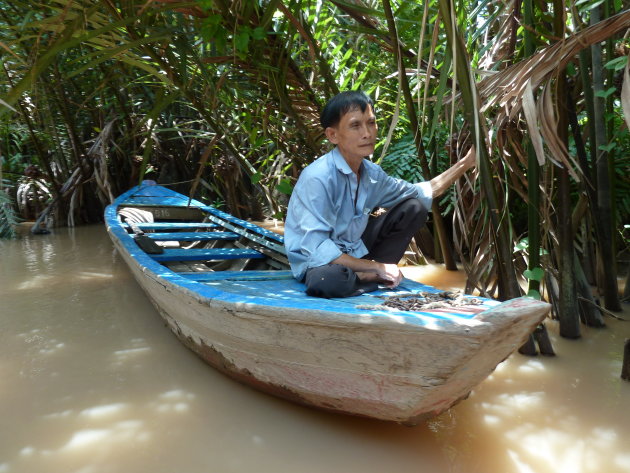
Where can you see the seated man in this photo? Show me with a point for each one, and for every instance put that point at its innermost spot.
(332, 242)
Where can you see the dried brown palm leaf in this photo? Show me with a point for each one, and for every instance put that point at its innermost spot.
(546, 108)
(506, 88)
(481, 270)
(531, 117)
(514, 158)
(471, 231)
(98, 153)
(542, 124)
(503, 42)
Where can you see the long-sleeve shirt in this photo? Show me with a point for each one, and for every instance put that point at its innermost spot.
(329, 209)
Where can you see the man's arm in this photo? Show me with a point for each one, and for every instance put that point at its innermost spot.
(389, 274)
(368, 270)
(441, 183)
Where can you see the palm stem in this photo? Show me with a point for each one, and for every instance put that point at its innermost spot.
(499, 221)
(438, 221)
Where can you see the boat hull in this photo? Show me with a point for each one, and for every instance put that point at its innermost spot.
(336, 355)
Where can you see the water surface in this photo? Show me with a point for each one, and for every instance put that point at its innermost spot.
(93, 382)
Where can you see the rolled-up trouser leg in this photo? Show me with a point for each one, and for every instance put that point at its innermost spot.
(335, 280)
(387, 236)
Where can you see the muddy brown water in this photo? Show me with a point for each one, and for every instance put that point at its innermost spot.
(92, 382)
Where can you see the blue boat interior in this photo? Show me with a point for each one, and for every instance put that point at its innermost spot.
(238, 257)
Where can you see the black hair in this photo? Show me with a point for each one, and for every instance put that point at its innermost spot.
(341, 104)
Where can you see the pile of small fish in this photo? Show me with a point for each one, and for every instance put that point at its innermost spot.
(429, 300)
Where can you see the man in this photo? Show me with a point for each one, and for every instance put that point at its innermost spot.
(332, 242)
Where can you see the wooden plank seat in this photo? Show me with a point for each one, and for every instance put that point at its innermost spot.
(193, 236)
(237, 275)
(206, 254)
(242, 223)
(173, 225)
(168, 198)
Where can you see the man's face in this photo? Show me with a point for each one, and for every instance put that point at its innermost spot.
(355, 134)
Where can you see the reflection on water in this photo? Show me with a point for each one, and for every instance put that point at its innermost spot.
(93, 382)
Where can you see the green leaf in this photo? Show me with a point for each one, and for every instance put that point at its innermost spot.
(256, 178)
(285, 187)
(596, 4)
(605, 93)
(617, 64)
(120, 51)
(241, 40)
(346, 56)
(534, 294)
(259, 33)
(522, 245)
(535, 274)
(206, 5)
(210, 27)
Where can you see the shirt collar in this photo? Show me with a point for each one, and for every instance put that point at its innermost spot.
(341, 163)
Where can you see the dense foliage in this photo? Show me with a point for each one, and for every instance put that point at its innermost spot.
(221, 99)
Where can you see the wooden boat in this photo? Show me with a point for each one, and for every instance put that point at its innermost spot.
(223, 287)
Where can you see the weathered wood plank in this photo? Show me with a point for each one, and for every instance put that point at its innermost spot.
(193, 236)
(241, 223)
(206, 254)
(173, 225)
(238, 275)
(271, 253)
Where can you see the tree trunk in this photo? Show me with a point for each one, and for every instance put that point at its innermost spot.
(544, 342)
(533, 176)
(529, 347)
(533, 193)
(553, 293)
(607, 273)
(589, 310)
(625, 368)
(568, 311)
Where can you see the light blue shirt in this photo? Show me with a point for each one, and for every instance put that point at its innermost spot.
(327, 216)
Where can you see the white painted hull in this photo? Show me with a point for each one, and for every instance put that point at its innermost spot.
(371, 366)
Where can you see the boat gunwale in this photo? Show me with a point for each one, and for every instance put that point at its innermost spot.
(310, 309)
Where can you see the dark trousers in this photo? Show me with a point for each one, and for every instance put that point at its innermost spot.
(386, 238)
